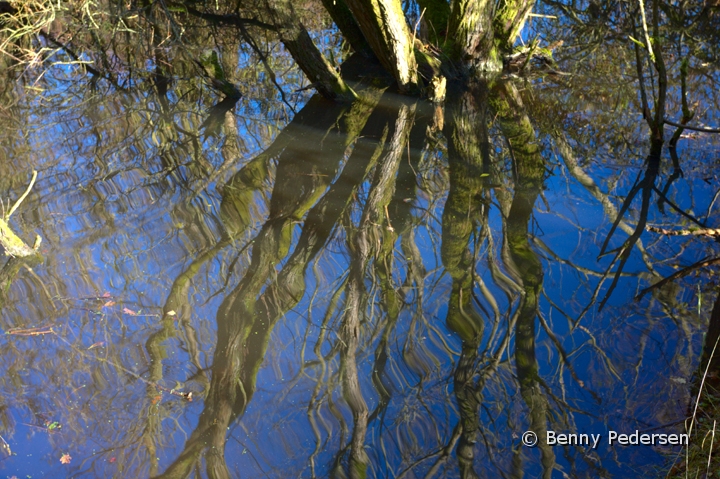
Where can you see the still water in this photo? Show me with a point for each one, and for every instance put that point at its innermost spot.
(389, 288)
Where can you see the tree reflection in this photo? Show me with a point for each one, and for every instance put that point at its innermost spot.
(394, 263)
(248, 314)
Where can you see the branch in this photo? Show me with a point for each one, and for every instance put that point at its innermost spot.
(648, 43)
(24, 195)
(687, 115)
(693, 128)
(677, 208)
(228, 19)
(696, 232)
(677, 275)
(263, 58)
(84, 64)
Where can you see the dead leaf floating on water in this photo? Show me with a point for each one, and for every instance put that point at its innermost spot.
(66, 458)
(129, 311)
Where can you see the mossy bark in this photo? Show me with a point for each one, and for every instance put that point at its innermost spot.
(364, 246)
(529, 168)
(470, 38)
(383, 25)
(468, 156)
(510, 17)
(465, 209)
(12, 243)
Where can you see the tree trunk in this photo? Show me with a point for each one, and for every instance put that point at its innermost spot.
(711, 349)
(298, 42)
(510, 17)
(529, 167)
(383, 24)
(471, 40)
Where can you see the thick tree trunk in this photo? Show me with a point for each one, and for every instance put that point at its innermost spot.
(383, 24)
(468, 158)
(711, 350)
(298, 42)
(480, 32)
(471, 40)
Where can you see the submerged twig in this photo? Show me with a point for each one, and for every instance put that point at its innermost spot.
(24, 195)
(32, 331)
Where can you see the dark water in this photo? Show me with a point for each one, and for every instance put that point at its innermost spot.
(382, 289)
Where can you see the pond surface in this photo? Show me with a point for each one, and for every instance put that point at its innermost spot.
(388, 288)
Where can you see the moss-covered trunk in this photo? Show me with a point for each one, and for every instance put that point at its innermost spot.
(382, 22)
(510, 17)
(471, 40)
(529, 168)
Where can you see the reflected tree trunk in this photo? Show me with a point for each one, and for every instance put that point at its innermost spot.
(364, 245)
(246, 317)
(399, 221)
(529, 168)
(465, 209)
(710, 359)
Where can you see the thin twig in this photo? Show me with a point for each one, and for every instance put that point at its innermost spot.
(702, 384)
(24, 195)
(31, 331)
(5, 446)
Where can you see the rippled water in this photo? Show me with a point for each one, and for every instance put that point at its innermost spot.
(380, 289)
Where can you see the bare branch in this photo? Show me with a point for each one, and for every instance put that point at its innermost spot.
(678, 274)
(693, 128)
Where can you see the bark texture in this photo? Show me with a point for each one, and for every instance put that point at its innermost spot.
(510, 17)
(383, 24)
(470, 35)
